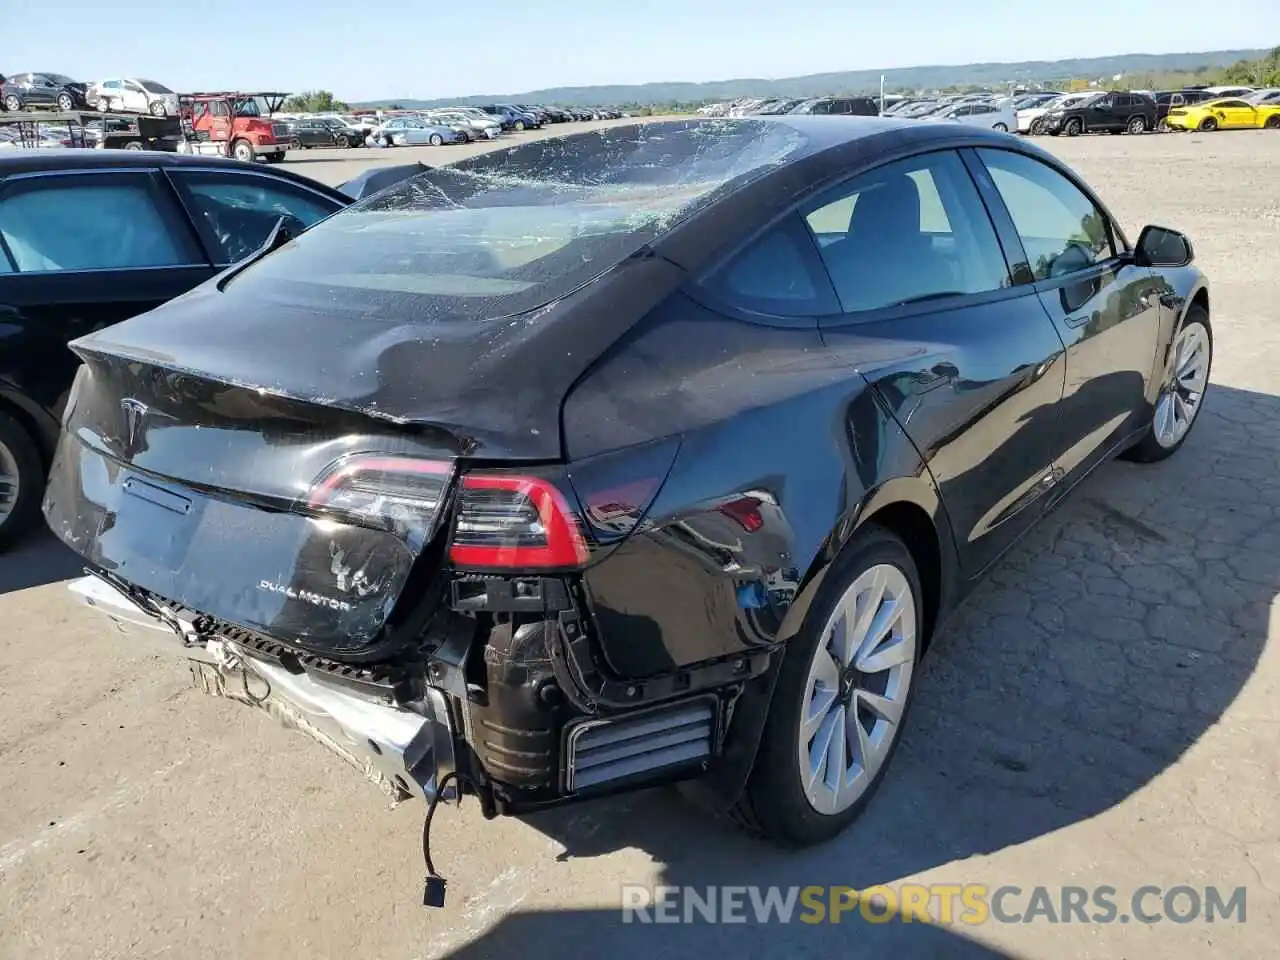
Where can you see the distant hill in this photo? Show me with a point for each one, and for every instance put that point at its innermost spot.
(858, 81)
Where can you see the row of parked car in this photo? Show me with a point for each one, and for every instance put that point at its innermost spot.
(1050, 111)
(434, 127)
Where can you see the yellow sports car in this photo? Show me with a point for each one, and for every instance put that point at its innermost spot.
(1232, 114)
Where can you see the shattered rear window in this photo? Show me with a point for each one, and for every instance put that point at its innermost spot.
(509, 231)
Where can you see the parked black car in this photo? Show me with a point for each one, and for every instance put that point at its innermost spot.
(681, 488)
(323, 132)
(1115, 112)
(44, 90)
(1167, 100)
(840, 106)
(90, 237)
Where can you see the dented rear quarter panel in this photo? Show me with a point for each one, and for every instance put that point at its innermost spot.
(762, 412)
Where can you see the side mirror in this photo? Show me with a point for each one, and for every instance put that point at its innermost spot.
(1162, 247)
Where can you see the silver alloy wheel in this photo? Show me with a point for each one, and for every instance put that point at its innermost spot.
(857, 689)
(10, 482)
(1183, 390)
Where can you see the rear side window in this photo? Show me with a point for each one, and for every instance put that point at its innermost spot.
(906, 232)
(1061, 229)
(235, 212)
(115, 221)
(777, 274)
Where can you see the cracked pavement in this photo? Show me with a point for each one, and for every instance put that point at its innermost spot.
(1105, 709)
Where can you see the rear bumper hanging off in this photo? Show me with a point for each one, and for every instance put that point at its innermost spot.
(404, 752)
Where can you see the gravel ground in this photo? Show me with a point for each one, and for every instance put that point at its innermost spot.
(1105, 710)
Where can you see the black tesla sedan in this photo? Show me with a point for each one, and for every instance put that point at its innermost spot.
(646, 454)
(90, 237)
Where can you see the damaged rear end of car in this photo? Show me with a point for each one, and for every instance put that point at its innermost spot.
(335, 480)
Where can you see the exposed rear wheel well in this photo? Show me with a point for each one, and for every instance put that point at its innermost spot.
(915, 528)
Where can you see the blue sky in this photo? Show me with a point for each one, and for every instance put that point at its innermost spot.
(399, 48)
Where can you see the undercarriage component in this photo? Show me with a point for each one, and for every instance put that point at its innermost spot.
(407, 752)
(589, 687)
(639, 745)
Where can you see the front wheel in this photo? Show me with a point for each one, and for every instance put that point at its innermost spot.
(1037, 128)
(1182, 392)
(842, 695)
(65, 102)
(1001, 128)
(157, 108)
(21, 480)
(1074, 128)
(242, 150)
(295, 144)
(1273, 123)
(519, 126)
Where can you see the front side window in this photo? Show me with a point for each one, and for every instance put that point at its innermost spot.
(1061, 229)
(93, 222)
(910, 231)
(235, 212)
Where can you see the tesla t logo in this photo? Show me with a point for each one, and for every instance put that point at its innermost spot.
(135, 412)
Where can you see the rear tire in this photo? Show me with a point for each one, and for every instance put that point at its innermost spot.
(295, 144)
(1158, 443)
(1000, 127)
(1137, 125)
(777, 803)
(22, 478)
(12, 103)
(1208, 125)
(519, 126)
(437, 140)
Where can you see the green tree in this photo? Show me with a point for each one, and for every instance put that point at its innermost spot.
(314, 101)
(1264, 72)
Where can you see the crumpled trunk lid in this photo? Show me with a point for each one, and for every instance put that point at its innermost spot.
(201, 493)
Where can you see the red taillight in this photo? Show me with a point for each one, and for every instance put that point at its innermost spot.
(514, 522)
(404, 495)
(745, 511)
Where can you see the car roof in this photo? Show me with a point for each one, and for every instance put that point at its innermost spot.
(14, 162)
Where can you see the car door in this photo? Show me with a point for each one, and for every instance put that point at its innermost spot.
(78, 252)
(1237, 115)
(1098, 114)
(135, 98)
(960, 351)
(39, 91)
(235, 210)
(1105, 308)
(111, 94)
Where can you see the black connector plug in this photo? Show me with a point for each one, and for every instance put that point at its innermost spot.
(433, 892)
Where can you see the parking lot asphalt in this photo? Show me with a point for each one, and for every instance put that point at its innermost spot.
(1104, 711)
